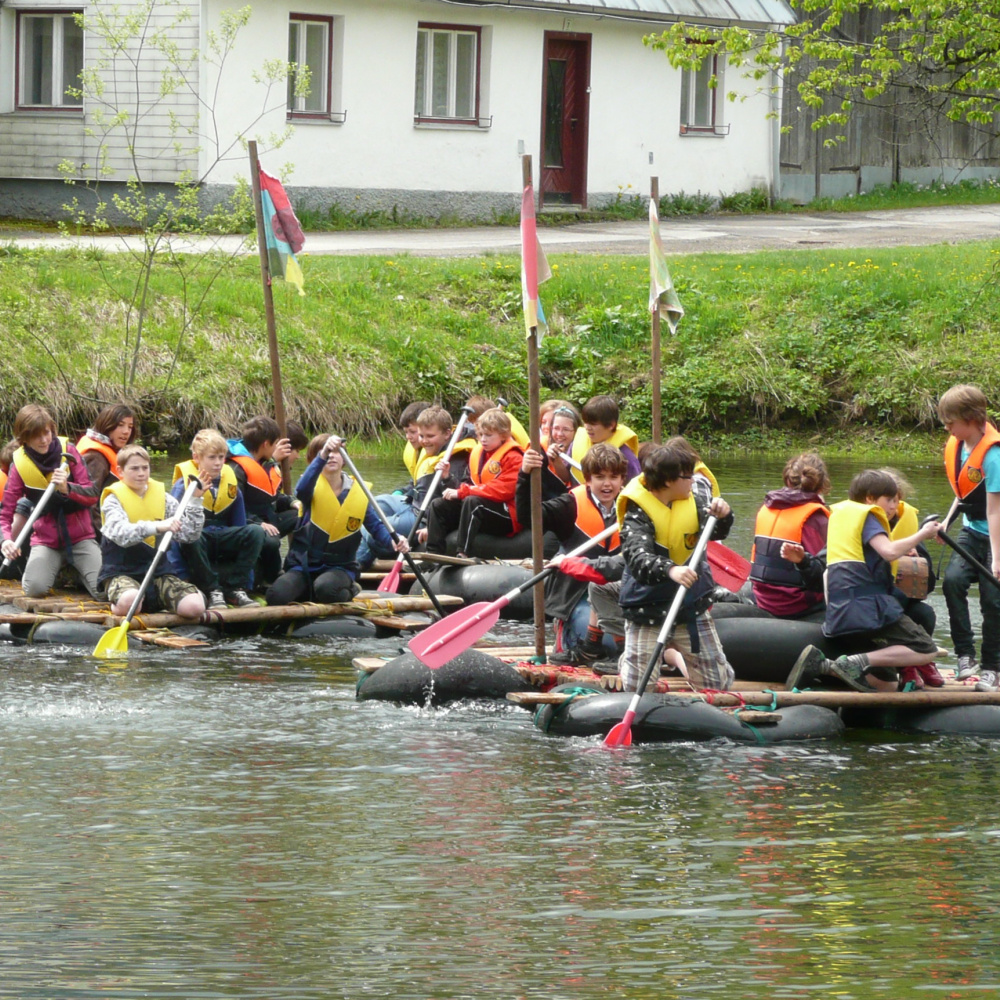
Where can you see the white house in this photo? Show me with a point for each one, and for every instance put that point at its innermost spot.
(425, 105)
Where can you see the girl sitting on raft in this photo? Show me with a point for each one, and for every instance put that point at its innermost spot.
(114, 428)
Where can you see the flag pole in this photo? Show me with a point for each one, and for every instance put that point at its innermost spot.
(534, 433)
(272, 335)
(655, 376)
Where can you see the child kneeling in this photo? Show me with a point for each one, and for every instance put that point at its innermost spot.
(134, 511)
(662, 514)
(322, 559)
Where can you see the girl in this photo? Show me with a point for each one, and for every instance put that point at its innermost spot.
(114, 428)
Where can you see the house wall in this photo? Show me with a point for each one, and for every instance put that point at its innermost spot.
(33, 143)
(378, 158)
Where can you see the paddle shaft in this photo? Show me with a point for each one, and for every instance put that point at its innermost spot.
(623, 727)
(969, 558)
(393, 534)
(161, 550)
(32, 517)
(502, 602)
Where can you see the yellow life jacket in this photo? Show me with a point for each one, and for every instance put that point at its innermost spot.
(701, 468)
(676, 524)
(152, 506)
(466, 445)
(517, 431)
(228, 486)
(843, 538)
(907, 522)
(334, 519)
(411, 457)
(427, 466)
(622, 436)
(31, 475)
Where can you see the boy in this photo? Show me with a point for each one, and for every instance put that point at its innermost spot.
(600, 423)
(297, 440)
(573, 517)
(64, 532)
(662, 513)
(972, 462)
(222, 558)
(862, 611)
(135, 510)
(256, 458)
(486, 503)
(411, 429)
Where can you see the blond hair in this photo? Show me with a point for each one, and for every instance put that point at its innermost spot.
(495, 421)
(436, 416)
(131, 451)
(963, 402)
(208, 442)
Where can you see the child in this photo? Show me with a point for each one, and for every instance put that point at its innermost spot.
(600, 423)
(789, 546)
(861, 610)
(480, 404)
(435, 428)
(411, 429)
(575, 516)
(256, 459)
(221, 559)
(297, 440)
(972, 462)
(662, 513)
(557, 476)
(134, 511)
(114, 428)
(487, 502)
(321, 564)
(64, 532)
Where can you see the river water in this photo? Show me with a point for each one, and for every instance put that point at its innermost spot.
(232, 823)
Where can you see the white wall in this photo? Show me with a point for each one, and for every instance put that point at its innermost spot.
(634, 110)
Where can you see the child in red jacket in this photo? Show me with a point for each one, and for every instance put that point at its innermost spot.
(487, 502)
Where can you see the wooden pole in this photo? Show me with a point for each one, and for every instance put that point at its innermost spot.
(655, 378)
(534, 432)
(272, 335)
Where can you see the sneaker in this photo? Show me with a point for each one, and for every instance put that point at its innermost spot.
(241, 599)
(216, 600)
(967, 667)
(851, 672)
(583, 654)
(989, 680)
(807, 668)
(910, 675)
(931, 675)
(606, 668)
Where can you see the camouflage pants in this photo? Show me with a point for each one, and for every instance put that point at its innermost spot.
(164, 593)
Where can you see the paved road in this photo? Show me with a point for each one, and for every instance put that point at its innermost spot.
(715, 234)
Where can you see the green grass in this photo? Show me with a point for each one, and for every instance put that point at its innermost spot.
(907, 195)
(844, 349)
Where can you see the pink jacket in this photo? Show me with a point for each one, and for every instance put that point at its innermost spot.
(75, 515)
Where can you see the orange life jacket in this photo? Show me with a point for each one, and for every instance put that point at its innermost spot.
(966, 478)
(589, 519)
(483, 471)
(86, 444)
(774, 527)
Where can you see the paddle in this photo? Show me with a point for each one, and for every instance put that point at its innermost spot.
(729, 568)
(396, 537)
(114, 642)
(621, 735)
(445, 639)
(964, 553)
(25, 532)
(390, 582)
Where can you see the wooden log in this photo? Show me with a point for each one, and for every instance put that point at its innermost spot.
(396, 622)
(754, 718)
(166, 638)
(378, 577)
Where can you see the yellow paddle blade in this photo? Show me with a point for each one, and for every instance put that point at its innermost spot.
(113, 643)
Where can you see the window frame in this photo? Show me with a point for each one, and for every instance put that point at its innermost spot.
(454, 30)
(57, 15)
(690, 78)
(327, 112)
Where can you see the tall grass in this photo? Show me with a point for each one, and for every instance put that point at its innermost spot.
(807, 342)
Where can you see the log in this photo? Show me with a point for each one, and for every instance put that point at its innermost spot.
(168, 639)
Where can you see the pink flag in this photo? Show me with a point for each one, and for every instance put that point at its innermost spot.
(534, 267)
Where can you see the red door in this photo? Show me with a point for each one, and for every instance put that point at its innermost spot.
(565, 106)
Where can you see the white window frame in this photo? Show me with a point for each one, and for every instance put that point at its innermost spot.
(321, 79)
(694, 84)
(423, 103)
(59, 19)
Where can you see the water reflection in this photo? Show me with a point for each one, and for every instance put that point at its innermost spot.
(232, 823)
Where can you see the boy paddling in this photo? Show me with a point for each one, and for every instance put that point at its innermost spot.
(972, 463)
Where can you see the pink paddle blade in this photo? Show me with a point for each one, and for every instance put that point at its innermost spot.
(621, 734)
(729, 568)
(390, 582)
(445, 639)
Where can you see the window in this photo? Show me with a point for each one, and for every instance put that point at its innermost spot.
(447, 79)
(699, 107)
(310, 49)
(50, 59)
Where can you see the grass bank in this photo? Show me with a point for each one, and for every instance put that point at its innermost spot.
(848, 349)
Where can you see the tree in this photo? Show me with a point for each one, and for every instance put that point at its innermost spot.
(153, 138)
(945, 53)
